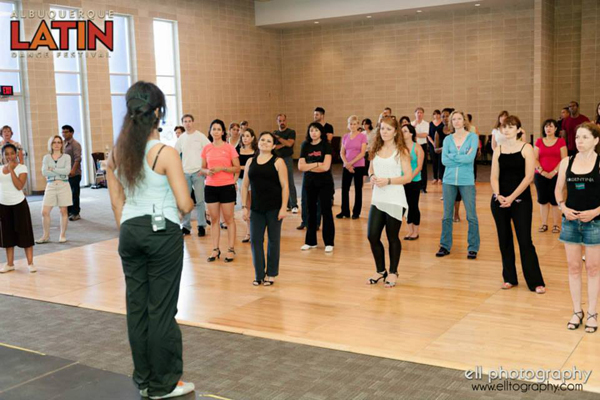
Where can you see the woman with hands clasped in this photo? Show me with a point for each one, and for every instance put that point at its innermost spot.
(581, 220)
(15, 218)
(390, 170)
(354, 146)
(513, 166)
(267, 175)
(220, 164)
(549, 150)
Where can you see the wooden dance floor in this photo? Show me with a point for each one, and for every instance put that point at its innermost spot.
(447, 312)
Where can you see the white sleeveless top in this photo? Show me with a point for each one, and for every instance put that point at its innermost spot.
(390, 199)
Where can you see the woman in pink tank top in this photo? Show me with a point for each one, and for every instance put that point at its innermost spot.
(549, 150)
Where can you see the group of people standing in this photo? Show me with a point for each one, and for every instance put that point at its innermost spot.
(61, 168)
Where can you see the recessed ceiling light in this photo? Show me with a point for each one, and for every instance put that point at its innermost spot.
(316, 22)
(477, 4)
(419, 11)
(369, 16)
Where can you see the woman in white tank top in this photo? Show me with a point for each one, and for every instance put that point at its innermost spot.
(390, 169)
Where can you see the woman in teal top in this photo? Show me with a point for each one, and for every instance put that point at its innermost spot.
(458, 155)
(413, 189)
(148, 192)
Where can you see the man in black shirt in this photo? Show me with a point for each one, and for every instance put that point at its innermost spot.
(319, 116)
(284, 147)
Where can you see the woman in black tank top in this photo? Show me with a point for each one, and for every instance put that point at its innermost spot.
(513, 166)
(267, 176)
(581, 220)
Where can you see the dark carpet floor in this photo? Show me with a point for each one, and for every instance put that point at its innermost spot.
(237, 366)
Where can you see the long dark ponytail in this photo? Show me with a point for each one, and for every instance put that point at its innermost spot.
(143, 99)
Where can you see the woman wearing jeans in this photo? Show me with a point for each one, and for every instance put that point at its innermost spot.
(581, 221)
(267, 175)
(458, 155)
(147, 192)
(512, 172)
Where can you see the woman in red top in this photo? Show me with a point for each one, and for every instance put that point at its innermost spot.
(220, 164)
(549, 150)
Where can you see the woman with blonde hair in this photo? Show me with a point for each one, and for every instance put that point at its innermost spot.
(354, 147)
(458, 154)
(390, 170)
(56, 166)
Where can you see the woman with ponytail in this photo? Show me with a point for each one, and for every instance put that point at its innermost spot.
(148, 192)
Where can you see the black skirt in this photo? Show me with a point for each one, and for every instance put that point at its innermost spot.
(15, 226)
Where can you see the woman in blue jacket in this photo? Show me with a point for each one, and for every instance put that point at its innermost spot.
(458, 154)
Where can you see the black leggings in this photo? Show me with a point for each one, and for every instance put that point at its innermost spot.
(377, 221)
(413, 192)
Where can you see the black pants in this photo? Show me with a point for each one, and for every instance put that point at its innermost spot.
(441, 167)
(424, 169)
(435, 162)
(413, 192)
(347, 177)
(520, 213)
(319, 191)
(377, 221)
(152, 263)
(259, 222)
(74, 182)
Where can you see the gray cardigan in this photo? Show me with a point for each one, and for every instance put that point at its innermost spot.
(60, 168)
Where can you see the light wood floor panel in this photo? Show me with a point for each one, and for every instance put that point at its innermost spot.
(449, 312)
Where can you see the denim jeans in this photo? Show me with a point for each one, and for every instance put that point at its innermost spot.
(259, 222)
(293, 200)
(196, 182)
(468, 198)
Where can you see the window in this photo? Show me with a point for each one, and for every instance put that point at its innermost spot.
(69, 76)
(121, 69)
(12, 109)
(166, 54)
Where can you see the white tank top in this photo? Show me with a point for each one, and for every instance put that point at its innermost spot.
(390, 199)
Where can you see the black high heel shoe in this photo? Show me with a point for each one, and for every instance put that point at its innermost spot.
(374, 281)
(593, 328)
(213, 258)
(227, 259)
(575, 325)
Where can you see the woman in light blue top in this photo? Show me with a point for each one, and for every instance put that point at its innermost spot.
(458, 154)
(413, 189)
(148, 191)
(56, 167)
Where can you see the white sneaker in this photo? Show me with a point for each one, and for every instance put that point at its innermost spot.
(144, 392)
(181, 389)
(328, 249)
(7, 268)
(295, 210)
(307, 247)
(32, 268)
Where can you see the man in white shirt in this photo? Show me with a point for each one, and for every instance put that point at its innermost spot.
(190, 145)
(422, 128)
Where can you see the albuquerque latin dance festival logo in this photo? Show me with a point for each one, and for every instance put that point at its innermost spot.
(87, 38)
